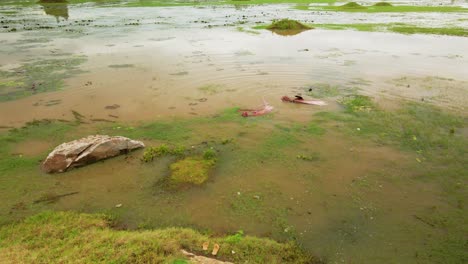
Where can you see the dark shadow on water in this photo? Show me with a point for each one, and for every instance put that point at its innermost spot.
(287, 32)
(55, 8)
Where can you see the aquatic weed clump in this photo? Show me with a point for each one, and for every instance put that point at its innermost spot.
(352, 5)
(288, 24)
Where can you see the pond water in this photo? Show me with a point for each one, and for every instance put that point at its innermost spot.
(354, 203)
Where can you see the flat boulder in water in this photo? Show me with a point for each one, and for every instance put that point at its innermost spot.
(87, 150)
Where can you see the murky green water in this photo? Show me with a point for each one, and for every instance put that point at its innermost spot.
(353, 200)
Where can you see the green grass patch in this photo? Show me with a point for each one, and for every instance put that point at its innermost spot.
(71, 237)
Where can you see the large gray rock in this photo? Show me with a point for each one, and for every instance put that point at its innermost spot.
(87, 150)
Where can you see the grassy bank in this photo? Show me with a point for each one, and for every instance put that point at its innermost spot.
(65, 237)
(355, 7)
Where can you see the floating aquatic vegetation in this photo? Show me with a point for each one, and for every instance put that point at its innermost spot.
(38, 76)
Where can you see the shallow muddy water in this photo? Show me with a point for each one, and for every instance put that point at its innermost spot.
(115, 68)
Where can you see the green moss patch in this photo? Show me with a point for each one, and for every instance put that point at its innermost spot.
(53, 237)
(191, 170)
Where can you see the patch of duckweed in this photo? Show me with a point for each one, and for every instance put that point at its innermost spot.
(38, 76)
(53, 236)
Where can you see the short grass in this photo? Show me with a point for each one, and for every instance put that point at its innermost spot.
(66, 237)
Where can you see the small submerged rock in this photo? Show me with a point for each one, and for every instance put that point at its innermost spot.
(87, 150)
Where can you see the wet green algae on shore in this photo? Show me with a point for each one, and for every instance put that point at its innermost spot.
(431, 136)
